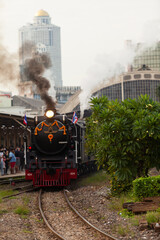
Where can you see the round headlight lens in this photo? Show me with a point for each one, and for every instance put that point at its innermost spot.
(49, 114)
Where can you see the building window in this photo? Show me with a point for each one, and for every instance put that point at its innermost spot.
(127, 77)
(137, 76)
(37, 96)
(157, 75)
(50, 38)
(147, 75)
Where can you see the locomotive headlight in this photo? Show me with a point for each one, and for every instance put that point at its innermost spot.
(49, 114)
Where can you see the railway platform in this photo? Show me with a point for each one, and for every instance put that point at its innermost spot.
(19, 174)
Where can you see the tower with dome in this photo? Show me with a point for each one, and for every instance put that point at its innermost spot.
(46, 37)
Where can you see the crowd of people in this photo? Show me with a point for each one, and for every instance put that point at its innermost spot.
(11, 160)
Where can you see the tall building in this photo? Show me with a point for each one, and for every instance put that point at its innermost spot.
(46, 37)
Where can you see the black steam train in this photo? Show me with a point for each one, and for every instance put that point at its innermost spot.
(56, 154)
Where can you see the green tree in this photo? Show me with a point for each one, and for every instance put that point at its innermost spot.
(124, 137)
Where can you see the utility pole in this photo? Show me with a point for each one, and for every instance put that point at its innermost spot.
(122, 89)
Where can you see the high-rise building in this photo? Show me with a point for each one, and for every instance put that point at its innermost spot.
(46, 37)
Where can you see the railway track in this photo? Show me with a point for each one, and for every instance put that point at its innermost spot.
(76, 226)
(11, 180)
(22, 189)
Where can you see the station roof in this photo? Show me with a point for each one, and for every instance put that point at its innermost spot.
(74, 100)
(9, 120)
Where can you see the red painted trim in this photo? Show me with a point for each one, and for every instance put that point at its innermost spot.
(28, 175)
(61, 177)
(6, 95)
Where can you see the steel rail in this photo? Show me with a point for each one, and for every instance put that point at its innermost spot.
(92, 226)
(3, 182)
(22, 187)
(44, 218)
(16, 194)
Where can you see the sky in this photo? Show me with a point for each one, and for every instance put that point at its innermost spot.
(93, 35)
(90, 29)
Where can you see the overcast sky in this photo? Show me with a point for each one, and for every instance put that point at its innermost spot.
(89, 28)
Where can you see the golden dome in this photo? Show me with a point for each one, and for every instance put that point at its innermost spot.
(41, 13)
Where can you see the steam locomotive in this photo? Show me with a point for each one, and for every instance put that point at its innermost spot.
(56, 155)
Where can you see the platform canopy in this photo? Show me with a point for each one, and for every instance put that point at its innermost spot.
(12, 130)
(10, 120)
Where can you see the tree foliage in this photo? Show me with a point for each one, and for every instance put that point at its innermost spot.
(125, 137)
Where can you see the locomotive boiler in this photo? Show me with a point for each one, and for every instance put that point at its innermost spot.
(56, 154)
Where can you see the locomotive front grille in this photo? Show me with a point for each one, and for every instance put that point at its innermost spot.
(57, 179)
(45, 164)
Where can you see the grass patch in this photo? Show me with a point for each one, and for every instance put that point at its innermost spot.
(134, 221)
(5, 193)
(39, 220)
(22, 211)
(116, 204)
(123, 230)
(95, 179)
(153, 217)
(27, 231)
(90, 210)
(125, 213)
(14, 197)
(26, 199)
(3, 211)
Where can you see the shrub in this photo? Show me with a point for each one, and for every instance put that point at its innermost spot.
(119, 187)
(124, 137)
(146, 187)
(125, 213)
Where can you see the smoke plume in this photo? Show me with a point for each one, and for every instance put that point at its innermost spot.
(106, 67)
(110, 66)
(9, 73)
(34, 68)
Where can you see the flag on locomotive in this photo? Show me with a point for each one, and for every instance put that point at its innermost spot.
(74, 118)
(25, 120)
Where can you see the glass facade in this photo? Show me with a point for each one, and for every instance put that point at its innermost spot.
(134, 89)
(64, 93)
(150, 57)
(131, 89)
(113, 92)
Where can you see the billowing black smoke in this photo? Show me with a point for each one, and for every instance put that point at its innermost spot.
(34, 68)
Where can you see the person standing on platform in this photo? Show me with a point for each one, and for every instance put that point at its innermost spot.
(12, 160)
(17, 155)
(21, 159)
(1, 161)
(6, 154)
